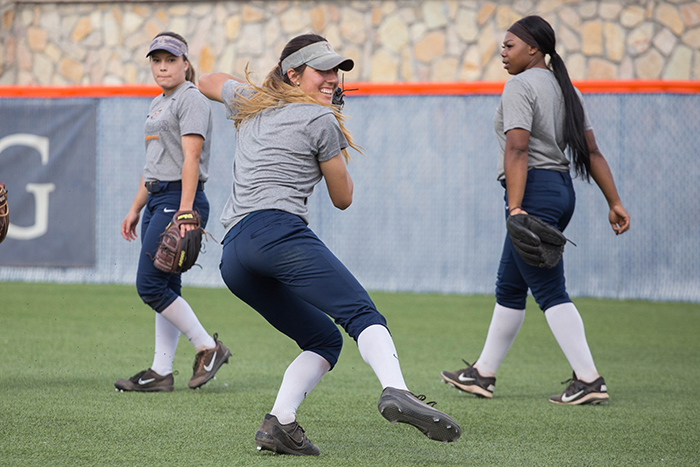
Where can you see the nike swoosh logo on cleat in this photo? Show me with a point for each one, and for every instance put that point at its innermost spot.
(146, 381)
(565, 398)
(465, 378)
(211, 363)
(299, 444)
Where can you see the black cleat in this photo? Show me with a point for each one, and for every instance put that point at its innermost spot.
(469, 380)
(146, 381)
(581, 393)
(402, 406)
(207, 363)
(284, 439)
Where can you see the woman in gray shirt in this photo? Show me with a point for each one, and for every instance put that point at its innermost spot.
(539, 116)
(177, 137)
(289, 136)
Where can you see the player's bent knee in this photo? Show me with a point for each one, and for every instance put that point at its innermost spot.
(334, 343)
(330, 347)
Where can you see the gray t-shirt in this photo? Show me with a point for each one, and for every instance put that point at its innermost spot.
(185, 111)
(533, 101)
(278, 151)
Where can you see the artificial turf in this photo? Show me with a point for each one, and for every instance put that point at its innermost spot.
(63, 346)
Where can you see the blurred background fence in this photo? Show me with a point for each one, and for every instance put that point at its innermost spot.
(428, 212)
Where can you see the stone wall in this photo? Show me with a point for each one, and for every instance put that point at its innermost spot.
(105, 43)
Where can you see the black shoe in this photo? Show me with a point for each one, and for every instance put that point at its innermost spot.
(207, 363)
(581, 393)
(402, 406)
(471, 381)
(146, 381)
(284, 439)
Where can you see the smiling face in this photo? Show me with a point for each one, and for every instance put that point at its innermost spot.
(319, 85)
(168, 70)
(518, 56)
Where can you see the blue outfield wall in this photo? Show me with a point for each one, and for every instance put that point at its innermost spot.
(428, 213)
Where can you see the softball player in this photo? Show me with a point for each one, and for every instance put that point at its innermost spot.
(539, 115)
(289, 136)
(178, 140)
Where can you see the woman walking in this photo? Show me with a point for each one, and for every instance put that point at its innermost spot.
(539, 116)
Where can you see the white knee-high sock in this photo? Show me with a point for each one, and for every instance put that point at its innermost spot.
(504, 327)
(167, 336)
(377, 349)
(567, 326)
(182, 316)
(302, 375)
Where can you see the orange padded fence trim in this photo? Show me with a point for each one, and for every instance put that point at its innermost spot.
(80, 91)
(369, 89)
(638, 87)
(487, 87)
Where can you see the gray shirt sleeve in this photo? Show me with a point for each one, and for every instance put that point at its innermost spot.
(327, 136)
(518, 113)
(193, 113)
(229, 92)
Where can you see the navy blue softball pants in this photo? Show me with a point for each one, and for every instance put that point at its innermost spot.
(272, 261)
(155, 287)
(550, 196)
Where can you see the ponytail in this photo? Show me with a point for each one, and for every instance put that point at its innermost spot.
(574, 131)
(190, 74)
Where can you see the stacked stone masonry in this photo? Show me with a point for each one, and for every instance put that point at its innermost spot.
(46, 43)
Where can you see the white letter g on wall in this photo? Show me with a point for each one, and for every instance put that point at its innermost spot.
(39, 190)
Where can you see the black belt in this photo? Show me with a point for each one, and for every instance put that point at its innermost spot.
(158, 186)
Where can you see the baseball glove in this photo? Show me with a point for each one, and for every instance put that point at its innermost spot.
(538, 243)
(4, 213)
(176, 253)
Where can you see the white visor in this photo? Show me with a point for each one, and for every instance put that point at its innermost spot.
(319, 56)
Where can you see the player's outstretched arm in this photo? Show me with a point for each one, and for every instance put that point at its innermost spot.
(600, 171)
(210, 84)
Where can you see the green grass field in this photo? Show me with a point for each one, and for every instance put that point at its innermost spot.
(63, 346)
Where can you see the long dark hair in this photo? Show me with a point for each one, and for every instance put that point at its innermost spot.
(574, 131)
(190, 74)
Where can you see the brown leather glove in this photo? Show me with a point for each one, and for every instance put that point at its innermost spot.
(175, 253)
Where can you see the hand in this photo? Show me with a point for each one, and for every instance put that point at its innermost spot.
(517, 210)
(619, 219)
(129, 226)
(185, 227)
